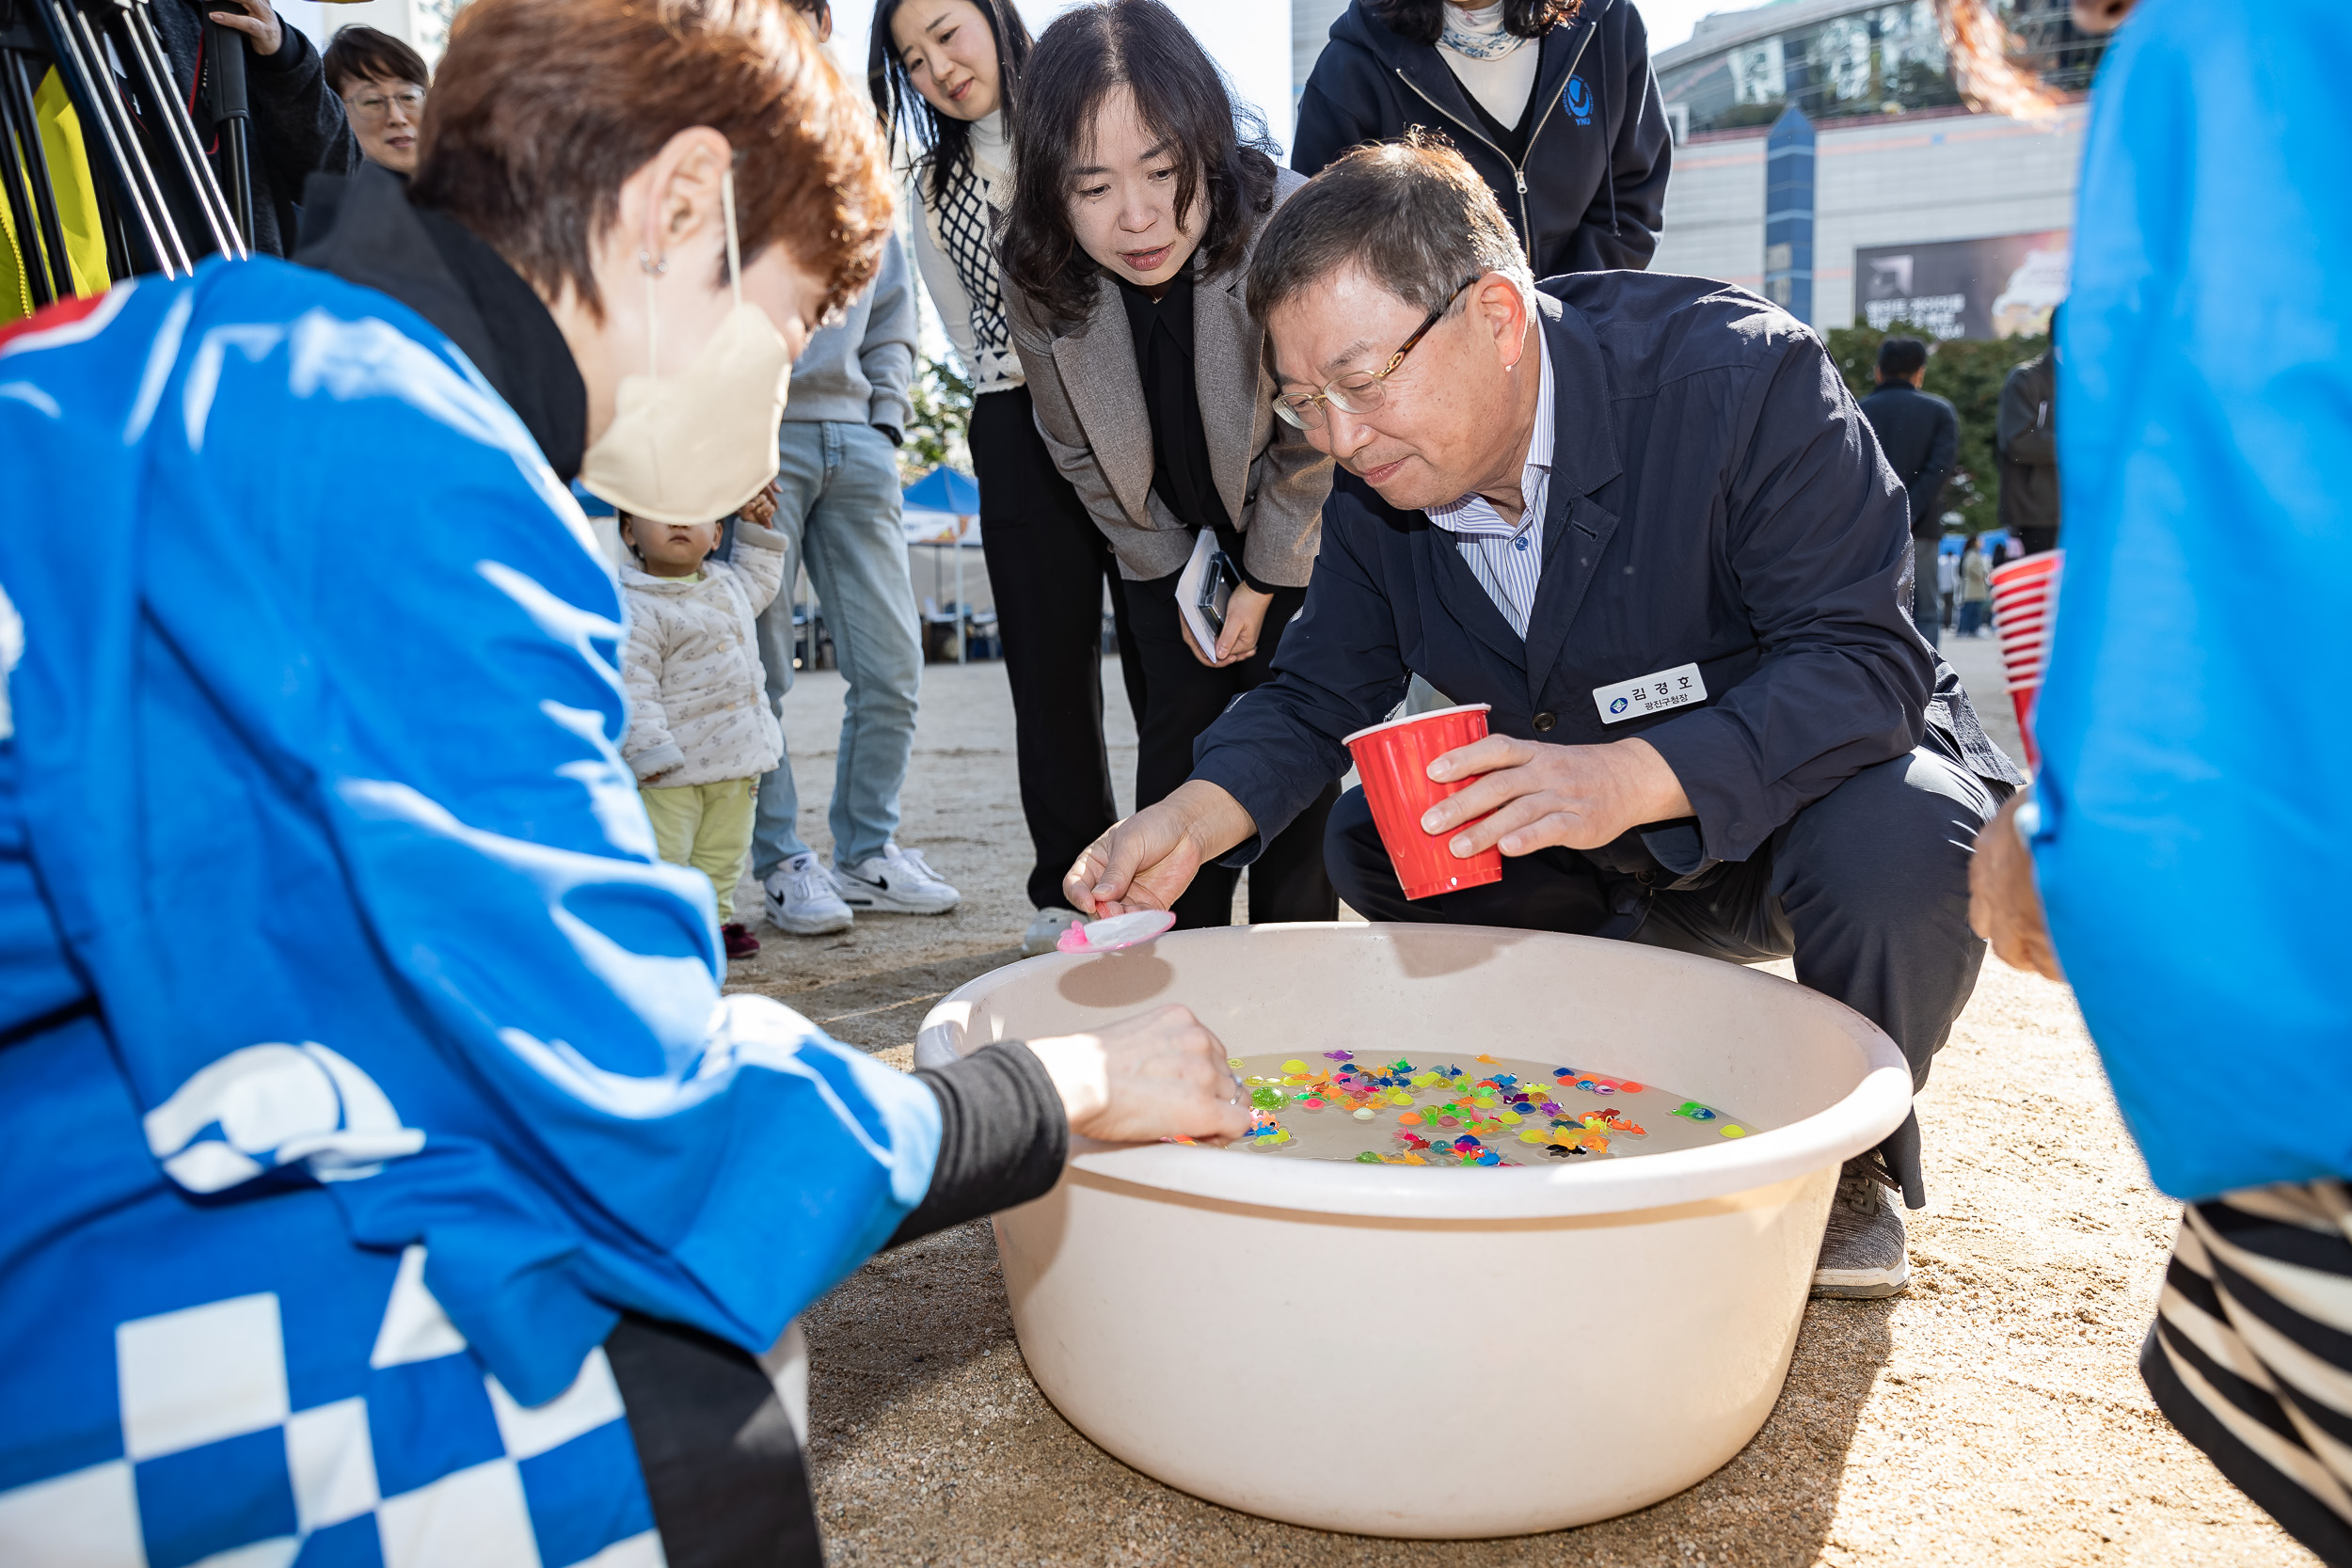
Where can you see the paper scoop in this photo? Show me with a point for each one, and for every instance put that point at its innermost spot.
(1120, 930)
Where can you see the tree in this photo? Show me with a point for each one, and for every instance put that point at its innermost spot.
(1967, 371)
(940, 431)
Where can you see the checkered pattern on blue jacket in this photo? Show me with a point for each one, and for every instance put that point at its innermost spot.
(406, 1455)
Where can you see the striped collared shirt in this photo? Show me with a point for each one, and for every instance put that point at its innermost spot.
(1507, 560)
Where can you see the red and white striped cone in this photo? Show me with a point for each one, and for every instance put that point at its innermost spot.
(2024, 610)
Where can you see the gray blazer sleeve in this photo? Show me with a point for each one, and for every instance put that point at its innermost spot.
(1283, 525)
(1057, 422)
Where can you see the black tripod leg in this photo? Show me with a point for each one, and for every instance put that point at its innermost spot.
(20, 157)
(141, 239)
(240, 154)
(45, 187)
(37, 289)
(114, 230)
(224, 49)
(142, 172)
(138, 42)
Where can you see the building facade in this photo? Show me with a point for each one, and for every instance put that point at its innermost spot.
(1824, 157)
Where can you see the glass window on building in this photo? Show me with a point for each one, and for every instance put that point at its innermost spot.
(1875, 59)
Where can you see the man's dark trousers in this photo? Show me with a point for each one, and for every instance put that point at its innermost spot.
(1867, 888)
(1927, 599)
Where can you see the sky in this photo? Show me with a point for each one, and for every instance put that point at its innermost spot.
(1670, 21)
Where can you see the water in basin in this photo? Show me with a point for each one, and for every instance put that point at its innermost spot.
(1485, 1110)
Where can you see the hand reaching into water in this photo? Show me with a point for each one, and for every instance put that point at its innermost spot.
(1160, 1074)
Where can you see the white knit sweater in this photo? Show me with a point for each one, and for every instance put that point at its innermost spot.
(1501, 83)
(698, 708)
(994, 368)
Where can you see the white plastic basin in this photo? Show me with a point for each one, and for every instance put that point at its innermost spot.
(1428, 1351)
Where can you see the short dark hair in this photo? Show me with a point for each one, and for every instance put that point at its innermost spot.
(1423, 20)
(1901, 358)
(1412, 215)
(358, 54)
(1090, 52)
(944, 139)
(544, 107)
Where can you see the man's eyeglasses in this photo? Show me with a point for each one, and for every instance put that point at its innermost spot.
(378, 105)
(1361, 392)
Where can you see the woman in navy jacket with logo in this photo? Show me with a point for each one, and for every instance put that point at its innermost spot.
(1552, 101)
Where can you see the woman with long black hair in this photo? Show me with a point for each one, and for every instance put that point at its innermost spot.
(946, 74)
(1139, 190)
(1552, 101)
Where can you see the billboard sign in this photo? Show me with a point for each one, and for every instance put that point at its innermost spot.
(2002, 286)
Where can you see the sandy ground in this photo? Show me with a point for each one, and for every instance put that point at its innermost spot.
(1993, 1415)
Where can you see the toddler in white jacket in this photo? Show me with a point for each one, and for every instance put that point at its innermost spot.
(700, 730)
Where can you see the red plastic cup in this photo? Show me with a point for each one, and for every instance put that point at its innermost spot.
(1393, 761)
(2024, 611)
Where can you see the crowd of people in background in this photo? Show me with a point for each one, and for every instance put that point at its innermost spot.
(1103, 430)
(1121, 407)
(1121, 397)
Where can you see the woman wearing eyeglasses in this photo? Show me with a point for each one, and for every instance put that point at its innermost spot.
(382, 83)
(1140, 189)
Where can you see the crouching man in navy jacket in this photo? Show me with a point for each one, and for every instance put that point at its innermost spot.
(1561, 502)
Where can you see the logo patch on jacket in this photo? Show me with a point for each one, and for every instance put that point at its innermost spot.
(1576, 97)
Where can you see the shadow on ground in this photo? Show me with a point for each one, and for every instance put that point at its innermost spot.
(934, 1447)
(880, 1010)
(1993, 1415)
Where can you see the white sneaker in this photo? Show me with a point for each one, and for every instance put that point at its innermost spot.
(800, 898)
(1045, 930)
(896, 881)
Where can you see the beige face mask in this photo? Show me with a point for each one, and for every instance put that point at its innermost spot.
(691, 448)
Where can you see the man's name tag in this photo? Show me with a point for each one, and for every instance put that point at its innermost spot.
(1680, 686)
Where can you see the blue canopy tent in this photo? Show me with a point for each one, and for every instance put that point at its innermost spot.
(944, 490)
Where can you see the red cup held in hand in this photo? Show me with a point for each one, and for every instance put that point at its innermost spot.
(1393, 761)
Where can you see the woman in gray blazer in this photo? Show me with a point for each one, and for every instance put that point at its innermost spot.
(1140, 189)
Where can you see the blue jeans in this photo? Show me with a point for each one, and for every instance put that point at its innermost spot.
(837, 507)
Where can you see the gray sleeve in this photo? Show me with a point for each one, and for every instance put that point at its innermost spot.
(1002, 1138)
(887, 354)
(1284, 528)
(1058, 419)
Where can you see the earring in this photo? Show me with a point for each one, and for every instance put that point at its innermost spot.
(653, 266)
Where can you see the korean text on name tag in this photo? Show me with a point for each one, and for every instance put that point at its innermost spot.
(1679, 687)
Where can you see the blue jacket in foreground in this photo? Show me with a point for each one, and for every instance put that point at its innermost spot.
(2194, 752)
(1716, 498)
(313, 790)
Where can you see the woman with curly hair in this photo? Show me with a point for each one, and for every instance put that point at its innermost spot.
(1140, 189)
(1552, 101)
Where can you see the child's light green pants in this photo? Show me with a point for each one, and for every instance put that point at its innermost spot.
(707, 827)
